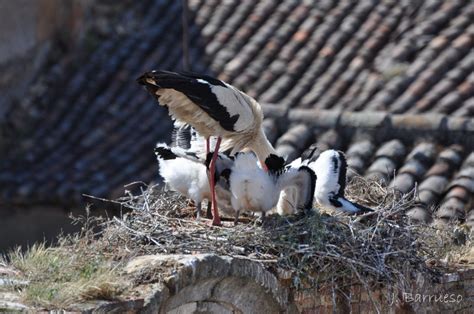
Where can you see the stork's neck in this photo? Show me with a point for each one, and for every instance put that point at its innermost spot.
(262, 147)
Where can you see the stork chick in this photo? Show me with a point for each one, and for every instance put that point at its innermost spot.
(183, 175)
(291, 199)
(331, 168)
(257, 190)
(213, 108)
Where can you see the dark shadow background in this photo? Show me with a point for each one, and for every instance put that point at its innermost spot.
(75, 121)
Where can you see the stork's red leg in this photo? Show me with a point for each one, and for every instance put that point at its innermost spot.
(208, 211)
(216, 220)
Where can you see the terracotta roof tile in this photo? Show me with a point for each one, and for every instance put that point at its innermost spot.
(420, 215)
(460, 192)
(381, 169)
(393, 149)
(297, 136)
(452, 209)
(435, 184)
(428, 197)
(330, 139)
(331, 63)
(304, 57)
(415, 166)
(358, 156)
(271, 129)
(404, 182)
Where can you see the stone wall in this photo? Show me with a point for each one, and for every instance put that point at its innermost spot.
(454, 294)
(25, 24)
(221, 284)
(29, 31)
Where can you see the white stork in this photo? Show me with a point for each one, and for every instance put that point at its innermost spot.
(290, 198)
(185, 172)
(330, 169)
(213, 108)
(183, 175)
(186, 138)
(257, 190)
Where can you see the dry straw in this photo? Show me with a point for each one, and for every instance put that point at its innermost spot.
(313, 250)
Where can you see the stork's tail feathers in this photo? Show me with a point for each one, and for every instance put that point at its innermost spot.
(344, 204)
(181, 135)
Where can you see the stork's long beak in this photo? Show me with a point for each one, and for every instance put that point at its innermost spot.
(264, 166)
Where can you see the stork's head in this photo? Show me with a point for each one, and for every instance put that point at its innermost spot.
(263, 149)
(274, 163)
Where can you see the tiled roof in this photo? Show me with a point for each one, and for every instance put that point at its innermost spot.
(389, 82)
(402, 150)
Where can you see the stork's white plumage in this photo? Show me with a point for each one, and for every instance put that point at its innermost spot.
(186, 137)
(183, 175)
(185, 172)
(331, 168)
(213, 108)
(292, 199)
(257, 190)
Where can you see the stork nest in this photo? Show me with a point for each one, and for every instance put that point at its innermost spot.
(309, 250)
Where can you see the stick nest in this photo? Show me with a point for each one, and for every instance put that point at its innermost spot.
(308, 250)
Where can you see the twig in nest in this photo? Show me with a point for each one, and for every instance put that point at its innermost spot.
(316, 249)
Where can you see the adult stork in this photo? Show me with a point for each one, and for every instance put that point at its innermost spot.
(213, 108)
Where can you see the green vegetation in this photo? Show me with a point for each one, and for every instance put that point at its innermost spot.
(321, 249)
(66, 274)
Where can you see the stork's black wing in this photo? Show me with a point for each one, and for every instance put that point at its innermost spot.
(217, 99)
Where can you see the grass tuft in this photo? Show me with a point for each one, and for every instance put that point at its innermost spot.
(313, 250)
(66, 274)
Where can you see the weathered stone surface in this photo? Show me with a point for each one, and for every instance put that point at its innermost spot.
(213, 283)
(10, 301)
(217, 284)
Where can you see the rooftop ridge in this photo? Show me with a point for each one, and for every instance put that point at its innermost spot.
(452, 129)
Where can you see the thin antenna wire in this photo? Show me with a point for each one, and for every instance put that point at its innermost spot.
(185, 21)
